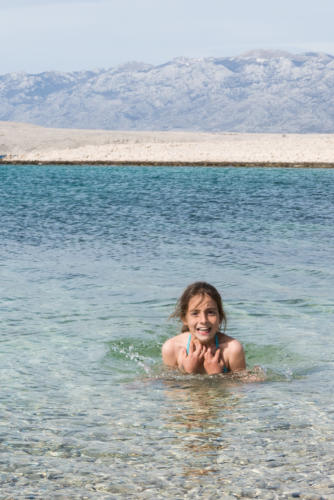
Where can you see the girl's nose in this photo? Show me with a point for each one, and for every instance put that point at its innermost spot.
(202, 317)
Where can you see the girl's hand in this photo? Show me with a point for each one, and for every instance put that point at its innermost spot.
(191, 362)
(213, 361)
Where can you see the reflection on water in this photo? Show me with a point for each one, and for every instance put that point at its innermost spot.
(195, 409)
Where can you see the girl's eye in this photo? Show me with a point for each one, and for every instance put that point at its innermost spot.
(194, 313)
(212, 313)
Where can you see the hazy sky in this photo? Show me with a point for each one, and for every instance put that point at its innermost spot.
(67, 35)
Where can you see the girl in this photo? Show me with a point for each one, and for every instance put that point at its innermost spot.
(202, 347)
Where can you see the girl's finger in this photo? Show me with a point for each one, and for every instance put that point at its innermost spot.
(200, 348)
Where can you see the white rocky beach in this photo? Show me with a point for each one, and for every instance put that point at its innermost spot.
(34, 144)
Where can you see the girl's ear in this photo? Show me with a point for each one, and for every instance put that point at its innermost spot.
(184, 325)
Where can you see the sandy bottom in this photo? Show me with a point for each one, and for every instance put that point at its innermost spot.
(30, 143)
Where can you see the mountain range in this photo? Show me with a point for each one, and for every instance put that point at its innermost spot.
(260, 91)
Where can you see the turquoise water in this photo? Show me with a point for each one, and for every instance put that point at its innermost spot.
(92, 260)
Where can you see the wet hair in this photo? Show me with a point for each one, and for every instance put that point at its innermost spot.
(198, 288)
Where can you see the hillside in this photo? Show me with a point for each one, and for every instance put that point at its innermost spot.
(259, 91)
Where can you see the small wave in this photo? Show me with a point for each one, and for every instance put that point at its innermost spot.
(141, 356)
(266, 363)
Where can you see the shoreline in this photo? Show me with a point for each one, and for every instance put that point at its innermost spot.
(172, 164)
(24, 144)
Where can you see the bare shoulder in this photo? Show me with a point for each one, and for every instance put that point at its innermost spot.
(171, 349)
(234, 346)
(233, 352)
(168, 348)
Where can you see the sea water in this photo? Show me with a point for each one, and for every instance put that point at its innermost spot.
(92, 261)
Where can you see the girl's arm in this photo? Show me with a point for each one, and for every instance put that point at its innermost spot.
(236, 356)
(168, 353)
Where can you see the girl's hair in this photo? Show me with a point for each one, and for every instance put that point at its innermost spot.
(198, 288)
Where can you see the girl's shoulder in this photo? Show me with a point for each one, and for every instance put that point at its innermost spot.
(229, 343)
(233, 352)
(172, 346)
(176, 342)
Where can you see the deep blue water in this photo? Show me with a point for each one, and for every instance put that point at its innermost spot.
(92, 261)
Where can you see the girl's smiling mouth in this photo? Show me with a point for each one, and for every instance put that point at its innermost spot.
(203, 330)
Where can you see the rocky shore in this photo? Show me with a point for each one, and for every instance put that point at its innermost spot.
(25, 143)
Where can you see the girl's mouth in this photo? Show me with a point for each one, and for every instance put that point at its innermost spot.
(203, 331)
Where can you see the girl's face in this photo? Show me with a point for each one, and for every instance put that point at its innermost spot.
(202, 318)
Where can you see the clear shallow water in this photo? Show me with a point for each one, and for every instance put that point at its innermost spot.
(92, 260)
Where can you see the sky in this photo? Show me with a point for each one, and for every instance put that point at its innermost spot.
(73, 35)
